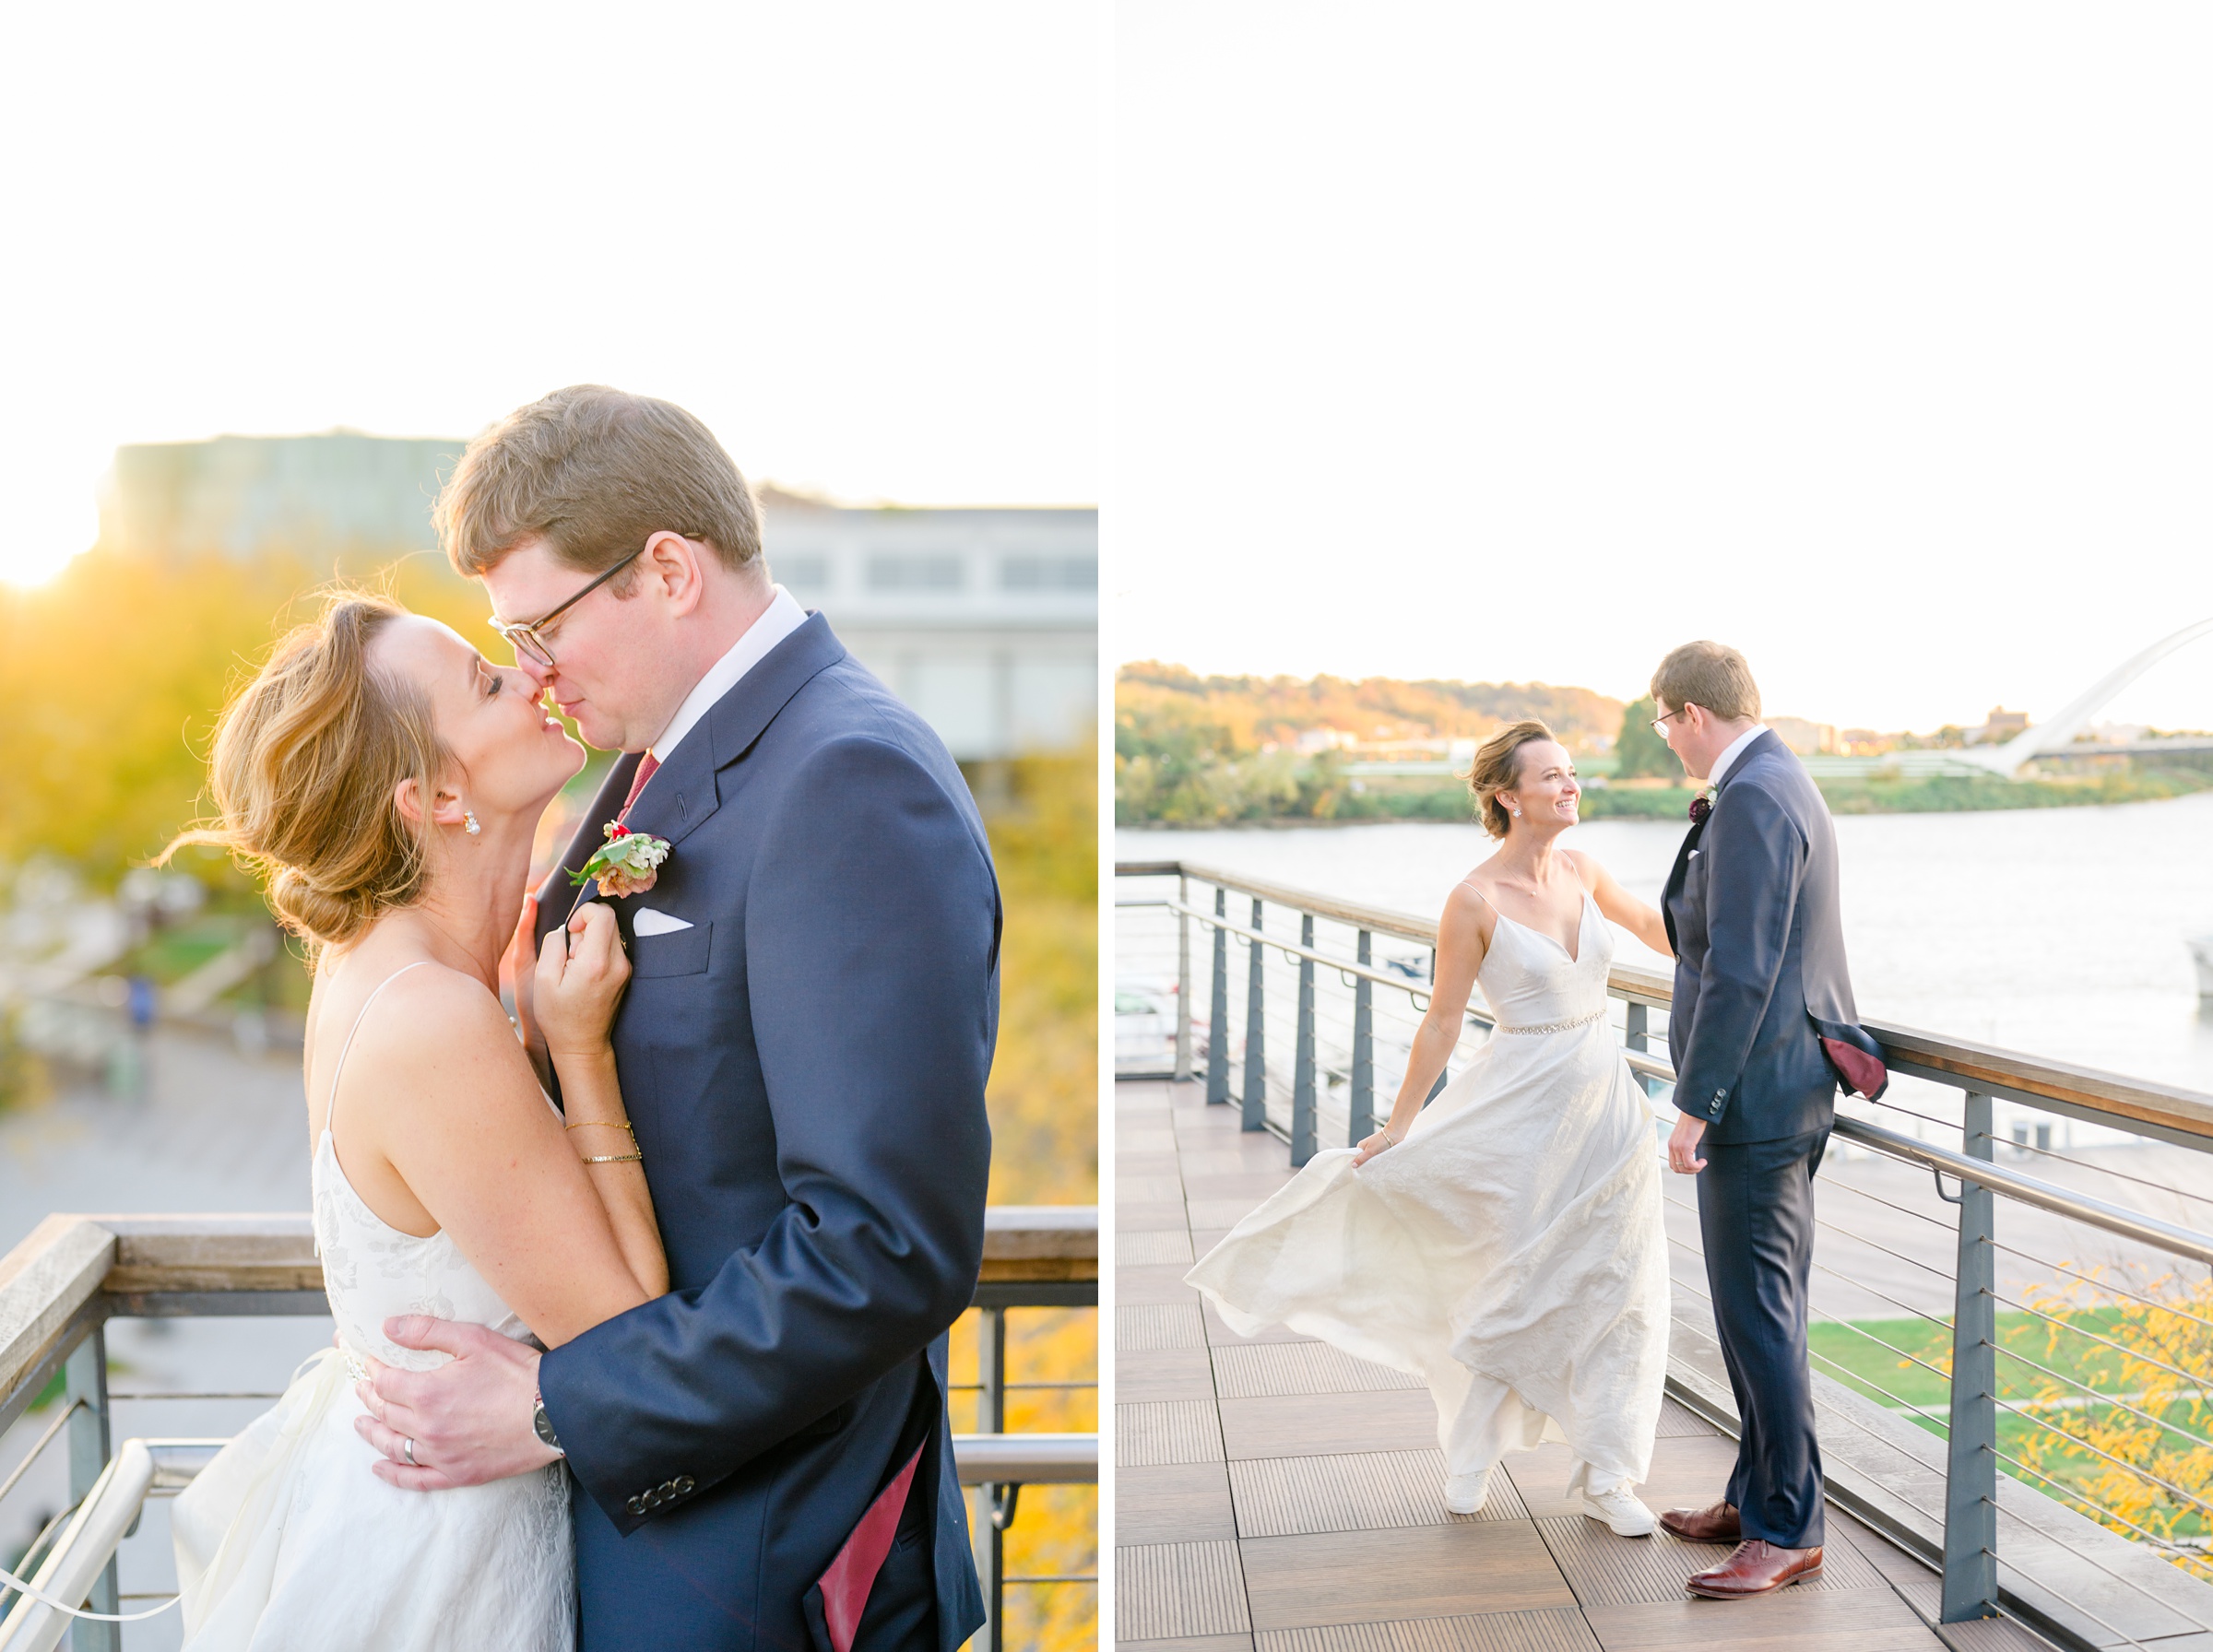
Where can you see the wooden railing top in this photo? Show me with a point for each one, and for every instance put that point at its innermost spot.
(2125, 1103)
(70, 1265)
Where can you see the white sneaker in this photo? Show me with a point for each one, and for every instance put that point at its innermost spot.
(1621, 1511)
(1464, 1493)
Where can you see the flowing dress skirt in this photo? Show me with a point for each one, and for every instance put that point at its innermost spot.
(1509, 1253)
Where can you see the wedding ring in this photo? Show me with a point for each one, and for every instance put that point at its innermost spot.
(408, 1446)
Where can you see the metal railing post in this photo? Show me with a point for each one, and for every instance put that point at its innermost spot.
(1636, 1036)
(1302, 1066)
(991, 1406)
(1183, 981)
(85, 1385)
(1364, 1051)
(1971, 1495)
(1256, 1046)
(1217, 1028)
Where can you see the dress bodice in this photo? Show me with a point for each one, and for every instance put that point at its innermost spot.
(1533, 986)
(371, 1271)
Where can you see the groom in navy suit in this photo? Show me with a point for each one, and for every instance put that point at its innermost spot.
(1761, 1029)
(763, 1459)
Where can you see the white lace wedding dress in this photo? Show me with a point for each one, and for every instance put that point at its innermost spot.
(287, 1540)
(1510, 1252)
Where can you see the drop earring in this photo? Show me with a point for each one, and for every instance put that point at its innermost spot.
(468, 823)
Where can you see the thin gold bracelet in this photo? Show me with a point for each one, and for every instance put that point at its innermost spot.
(615, 1159)
(603, 1123)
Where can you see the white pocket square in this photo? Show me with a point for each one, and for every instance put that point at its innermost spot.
(646, 921)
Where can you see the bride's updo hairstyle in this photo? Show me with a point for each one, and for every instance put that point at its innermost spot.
(307, 758)
(1499, 769)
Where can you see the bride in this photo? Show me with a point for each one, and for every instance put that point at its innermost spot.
(1505, 1245)
(388, 782)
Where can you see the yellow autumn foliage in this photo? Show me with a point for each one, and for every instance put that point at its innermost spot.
(2128, 1440)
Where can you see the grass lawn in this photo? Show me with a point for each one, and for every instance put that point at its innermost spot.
(1851, 1355)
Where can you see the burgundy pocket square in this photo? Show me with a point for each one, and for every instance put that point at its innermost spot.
(845, 1586)
(1864, 1074)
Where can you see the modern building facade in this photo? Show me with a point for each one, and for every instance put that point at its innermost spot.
(985, 619)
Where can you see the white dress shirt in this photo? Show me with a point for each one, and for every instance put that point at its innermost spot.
(1721, 764)
(782, 617)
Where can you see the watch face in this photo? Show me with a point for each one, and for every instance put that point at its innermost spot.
(543, 1426)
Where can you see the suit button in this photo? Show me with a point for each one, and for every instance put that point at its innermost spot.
(686, 1485)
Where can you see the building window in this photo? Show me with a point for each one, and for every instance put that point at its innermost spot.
(801, 573)
(1049, 573)
(915, 573)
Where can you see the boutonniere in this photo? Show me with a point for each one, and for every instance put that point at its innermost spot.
(1702, 805)
(627, 863)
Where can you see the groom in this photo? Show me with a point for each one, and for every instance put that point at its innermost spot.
(1762, 1028)
(761, 1458)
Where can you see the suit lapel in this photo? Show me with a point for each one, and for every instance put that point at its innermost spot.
(1675, 877)
(737, 720)
(1759, 744)
(681, 793)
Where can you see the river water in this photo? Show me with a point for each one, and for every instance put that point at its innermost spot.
(2061, 932)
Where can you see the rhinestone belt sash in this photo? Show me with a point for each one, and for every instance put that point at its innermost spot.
(1581, 1020)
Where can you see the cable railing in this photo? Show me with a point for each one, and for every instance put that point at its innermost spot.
(62, 1286)
(2051, 1389)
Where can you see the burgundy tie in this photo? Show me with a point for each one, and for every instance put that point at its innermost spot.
(637, 784)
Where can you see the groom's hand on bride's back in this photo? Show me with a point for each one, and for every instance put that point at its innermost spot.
(470, 1418)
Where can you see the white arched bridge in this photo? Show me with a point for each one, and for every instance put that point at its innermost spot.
(2055, 736)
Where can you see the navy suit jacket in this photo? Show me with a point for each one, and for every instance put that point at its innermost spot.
(804, 1066)
(1760, 978)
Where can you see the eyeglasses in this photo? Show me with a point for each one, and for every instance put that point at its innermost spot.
(1660, 723)
(521, 635)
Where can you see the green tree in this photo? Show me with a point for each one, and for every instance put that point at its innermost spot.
(1638, 750)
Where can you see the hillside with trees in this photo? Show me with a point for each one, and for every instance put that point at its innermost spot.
(1207, 750)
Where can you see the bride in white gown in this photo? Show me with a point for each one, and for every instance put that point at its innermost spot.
(1504, 1244)
(389, 780)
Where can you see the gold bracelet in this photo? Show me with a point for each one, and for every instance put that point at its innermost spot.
(604, 1123)
(615, 1159)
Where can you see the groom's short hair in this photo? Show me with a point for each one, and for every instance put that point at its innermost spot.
(1708, 674)
(595, 473)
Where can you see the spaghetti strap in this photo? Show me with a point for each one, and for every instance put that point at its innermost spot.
(330, 1105)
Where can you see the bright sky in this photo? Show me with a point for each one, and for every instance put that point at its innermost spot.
(1525, 341)
(862, 241)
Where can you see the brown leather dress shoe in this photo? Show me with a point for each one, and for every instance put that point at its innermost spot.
(1755, 1567)
(1715, 1524)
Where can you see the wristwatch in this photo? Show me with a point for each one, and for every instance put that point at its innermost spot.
(542, 1426)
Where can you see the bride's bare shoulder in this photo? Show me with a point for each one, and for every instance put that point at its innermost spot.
(1469, 905)
(425, 1014)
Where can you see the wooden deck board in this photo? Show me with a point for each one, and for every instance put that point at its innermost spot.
(1325, 1424)
(1552, 1629)
(1174, 1503)
(1420, 1572)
